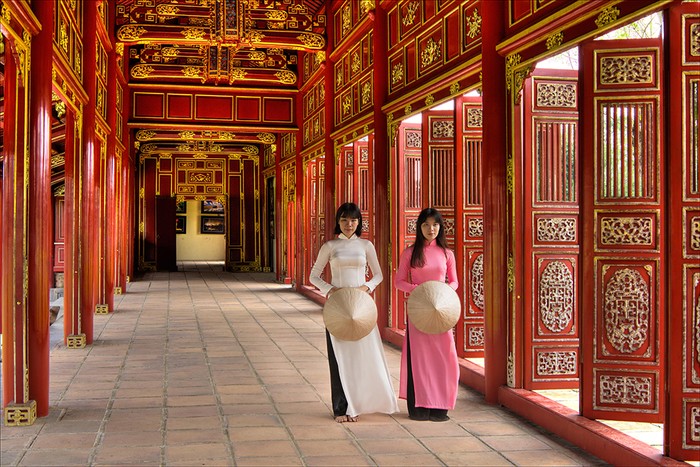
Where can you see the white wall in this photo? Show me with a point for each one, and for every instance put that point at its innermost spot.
(194, 246)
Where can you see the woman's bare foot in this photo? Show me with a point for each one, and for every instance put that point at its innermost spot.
(345, 418)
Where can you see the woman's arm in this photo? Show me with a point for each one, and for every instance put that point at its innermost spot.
(374, 267)
(322, 259)
(402, 280)
(452, 279)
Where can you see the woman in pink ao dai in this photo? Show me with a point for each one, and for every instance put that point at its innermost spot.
(429, 367)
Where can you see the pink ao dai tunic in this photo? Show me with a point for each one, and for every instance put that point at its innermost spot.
(433, 356)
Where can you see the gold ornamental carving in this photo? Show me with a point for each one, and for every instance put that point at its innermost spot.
(430, 100)
(627, 231)
(356, 64)
(511, 62)
(346, 21)
(555, 40)
(626, 70)
(192, 71)
(320, 57)
(474, 25)
(695, 40)
(6, 14)
(511, 273)
(63, 37)
(276, 15)
(408, 109)
(186, 135)
(193, 33)
(312, 41)
(255, 36)
(237, 73)
(167, 9)
(556, 95)
(57, 161)
(145, 135)
(627, 310)
(257, 56)
(286, 77)
(119, 48)
(410, 15)
(347, 105)
(267, 138)
(431, 53)
(130, 33)
(454, 88)
(366, 93)
(141, 71)
(607, 16)
(366, 5)
(397, 73)
(475, 118)
(20, 414)
(170, 52)
(695, 233)
(510, 174)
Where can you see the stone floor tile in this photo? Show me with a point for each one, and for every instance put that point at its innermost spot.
(310, 448)
(274, 448)
(514, 443)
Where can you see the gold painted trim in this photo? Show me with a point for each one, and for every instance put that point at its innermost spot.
(76, 341)
(20, 414)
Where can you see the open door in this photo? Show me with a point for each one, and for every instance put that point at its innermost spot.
(623, 259)
(682, 434)
(550, 215)
(166, 252)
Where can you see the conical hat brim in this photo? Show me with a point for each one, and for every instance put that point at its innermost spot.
(350, 314)
(434, 307)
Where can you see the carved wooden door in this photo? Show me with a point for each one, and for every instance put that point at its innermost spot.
(623, 236)
(439, 166)
(315, 198)
(472, 328)
(408, 202)
(550, 205)
(683, 418)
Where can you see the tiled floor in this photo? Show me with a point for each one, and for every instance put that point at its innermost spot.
(203, 367)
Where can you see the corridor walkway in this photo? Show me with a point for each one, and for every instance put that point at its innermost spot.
(203, 367)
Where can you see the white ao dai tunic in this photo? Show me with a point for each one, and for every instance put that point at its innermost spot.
(364, 373)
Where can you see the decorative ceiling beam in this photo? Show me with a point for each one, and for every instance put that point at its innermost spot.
(146, 134)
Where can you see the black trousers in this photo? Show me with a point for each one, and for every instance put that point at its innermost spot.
(340, 403)
(417, 413)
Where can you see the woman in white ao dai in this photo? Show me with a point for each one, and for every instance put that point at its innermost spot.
(360, 379)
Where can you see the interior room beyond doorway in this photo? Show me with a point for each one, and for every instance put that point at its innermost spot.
(200, 231)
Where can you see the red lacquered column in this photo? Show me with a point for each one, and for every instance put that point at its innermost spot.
(40, 210)
(19, 409)
(113, 219)
(90, 198)
(380, 158)
(72, 333)
(495, 206)
(7, 236)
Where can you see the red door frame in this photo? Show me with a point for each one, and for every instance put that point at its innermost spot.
(622, 212)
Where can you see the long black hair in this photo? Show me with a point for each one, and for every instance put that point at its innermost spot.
(353, 212)
(417, 257)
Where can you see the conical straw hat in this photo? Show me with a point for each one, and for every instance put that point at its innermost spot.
(434, 307)
(350, 314)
